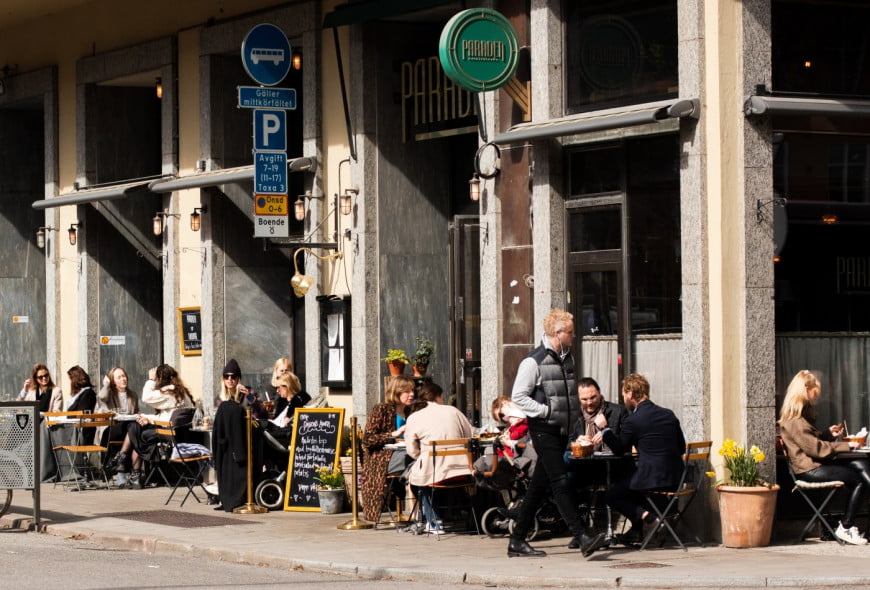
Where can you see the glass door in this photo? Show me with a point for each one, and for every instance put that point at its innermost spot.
(465, 315)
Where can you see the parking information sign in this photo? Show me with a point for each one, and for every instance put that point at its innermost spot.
(266, 54)
(257, 97)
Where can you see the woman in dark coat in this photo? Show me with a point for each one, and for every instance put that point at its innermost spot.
(82, 397)
(385, 424)
(231, 445)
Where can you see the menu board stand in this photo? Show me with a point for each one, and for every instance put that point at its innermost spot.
(316, 442)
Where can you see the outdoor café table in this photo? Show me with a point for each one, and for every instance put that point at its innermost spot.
(52, 469)
(609, 460)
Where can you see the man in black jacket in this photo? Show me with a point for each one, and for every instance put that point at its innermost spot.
(544, 390)
(656, 434)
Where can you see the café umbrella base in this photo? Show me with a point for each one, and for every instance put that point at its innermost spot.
(747, 514)
(331, 501)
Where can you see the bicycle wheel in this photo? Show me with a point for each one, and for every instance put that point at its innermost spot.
(5, 501)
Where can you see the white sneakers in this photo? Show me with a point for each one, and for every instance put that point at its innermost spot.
(850, 535)
(436, 529)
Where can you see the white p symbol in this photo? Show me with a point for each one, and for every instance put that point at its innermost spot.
(271, 125)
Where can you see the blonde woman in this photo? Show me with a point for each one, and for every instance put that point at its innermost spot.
(813, 452)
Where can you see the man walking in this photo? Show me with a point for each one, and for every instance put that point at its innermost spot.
(544, 389)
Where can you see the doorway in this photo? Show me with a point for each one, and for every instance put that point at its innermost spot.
(464, 287)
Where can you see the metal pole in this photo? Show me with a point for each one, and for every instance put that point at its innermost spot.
(355, 523)
(250, 507)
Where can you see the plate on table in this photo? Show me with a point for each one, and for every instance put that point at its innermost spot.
(125, 417)
(395, 446)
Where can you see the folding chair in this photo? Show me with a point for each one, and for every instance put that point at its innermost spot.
(804, 488)
(189, 468)
(694, 467)
(82, 463)
(451, 448)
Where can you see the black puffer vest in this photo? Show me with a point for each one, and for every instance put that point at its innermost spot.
(556, 391)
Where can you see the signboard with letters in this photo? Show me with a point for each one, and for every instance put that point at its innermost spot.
(190, 330)
(316, 443)
(479, 49)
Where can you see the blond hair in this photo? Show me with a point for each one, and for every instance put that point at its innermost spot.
(291, 381)
(395, 386)
(797, 395)
(556, 320)
(637, 385)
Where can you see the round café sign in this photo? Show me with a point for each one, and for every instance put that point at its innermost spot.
(479, 49)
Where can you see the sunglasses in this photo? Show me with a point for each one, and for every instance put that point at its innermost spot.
(501, 416)
(230, 376)
(43, 376)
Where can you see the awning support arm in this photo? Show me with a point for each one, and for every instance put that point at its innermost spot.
(350, 139)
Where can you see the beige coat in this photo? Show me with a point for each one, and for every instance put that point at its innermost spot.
(435, 422)
(807, 446)
(55, 404)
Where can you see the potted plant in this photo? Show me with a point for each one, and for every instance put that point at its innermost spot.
(746, 502)
(396, 360)
(330, 488)
(420, 360)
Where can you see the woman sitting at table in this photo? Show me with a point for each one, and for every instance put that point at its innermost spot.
(164, 391)
(812, 452)
(384, 425)
(290, 390)
(431, 420)
(115, 396)
(83, 398)
(282, 365)
(40, 388)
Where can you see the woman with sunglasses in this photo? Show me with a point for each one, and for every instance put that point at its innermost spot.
(41, 388)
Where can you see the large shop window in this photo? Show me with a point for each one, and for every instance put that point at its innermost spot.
(832, 60)
(619, 52)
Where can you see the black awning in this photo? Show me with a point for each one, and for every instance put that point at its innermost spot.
(369, 10)
(780, 105)
(91, 195)
(602, 120)
(224, 176)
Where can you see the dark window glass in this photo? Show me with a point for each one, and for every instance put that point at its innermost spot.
(654, 230)
(820, 47)
(594, 230)
(619, 52)
(595, 171)
(820, 167)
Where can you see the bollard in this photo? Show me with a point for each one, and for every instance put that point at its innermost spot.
(355, 523)
(250, 507)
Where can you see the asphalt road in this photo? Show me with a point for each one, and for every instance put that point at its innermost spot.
(36, 561)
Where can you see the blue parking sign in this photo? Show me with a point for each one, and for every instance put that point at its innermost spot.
(270, 130)
(266, 54)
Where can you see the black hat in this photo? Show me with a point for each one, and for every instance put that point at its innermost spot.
(232, 367)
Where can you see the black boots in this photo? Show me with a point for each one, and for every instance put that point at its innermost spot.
(588, 545)
(520, 548)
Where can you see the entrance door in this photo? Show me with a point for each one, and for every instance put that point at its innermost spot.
(596, 287)
(465, 314)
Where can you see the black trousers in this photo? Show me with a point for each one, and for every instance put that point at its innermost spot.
(855, 475)
(549, 475)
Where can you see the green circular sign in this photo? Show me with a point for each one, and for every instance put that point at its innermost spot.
(479, 49)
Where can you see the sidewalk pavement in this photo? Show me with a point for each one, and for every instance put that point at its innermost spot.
(312, 541)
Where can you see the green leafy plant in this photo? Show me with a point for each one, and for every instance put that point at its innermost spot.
(396, 355)
(330, 478)
(425, 349)
(742, 464)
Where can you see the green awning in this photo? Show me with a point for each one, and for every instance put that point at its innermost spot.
(370, 10)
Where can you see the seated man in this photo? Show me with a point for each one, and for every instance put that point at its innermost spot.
(656, 434)
(592, 404)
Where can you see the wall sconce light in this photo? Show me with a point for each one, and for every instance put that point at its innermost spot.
(346, 200)
(40, 236)
(158, 87)
(73, 233)
(195, 221)
(157, 222)
(299, 208)
(759, 206)
(474, 187)
(301, 283)
(296, 60)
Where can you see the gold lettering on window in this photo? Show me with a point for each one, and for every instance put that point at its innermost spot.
(429, 97)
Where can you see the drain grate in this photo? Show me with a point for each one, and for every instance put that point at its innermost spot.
(637, 565)
(178, 519)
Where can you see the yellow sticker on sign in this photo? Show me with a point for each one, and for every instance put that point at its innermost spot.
(270, 205)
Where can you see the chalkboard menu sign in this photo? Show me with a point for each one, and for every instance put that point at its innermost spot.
(316, 440)
(190, 330)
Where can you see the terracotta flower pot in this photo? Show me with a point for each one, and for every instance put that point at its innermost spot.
(746, 514)
(396, 367)
(420, 370)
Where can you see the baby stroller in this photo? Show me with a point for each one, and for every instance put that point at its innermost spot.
(509, 478)
(270, 491)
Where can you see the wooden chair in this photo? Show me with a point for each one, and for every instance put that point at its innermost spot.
(805, 488)
(81, 457)
(451, 448)
(189, 469)
(695, 461)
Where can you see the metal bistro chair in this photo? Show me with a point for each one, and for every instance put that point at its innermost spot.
(694, 462)
(83, 463)
(805, 488)
(189, 468)
(448, 448)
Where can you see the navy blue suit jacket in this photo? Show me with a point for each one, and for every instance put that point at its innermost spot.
(656, 434)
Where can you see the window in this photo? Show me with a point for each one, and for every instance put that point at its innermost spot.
(619, 52)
